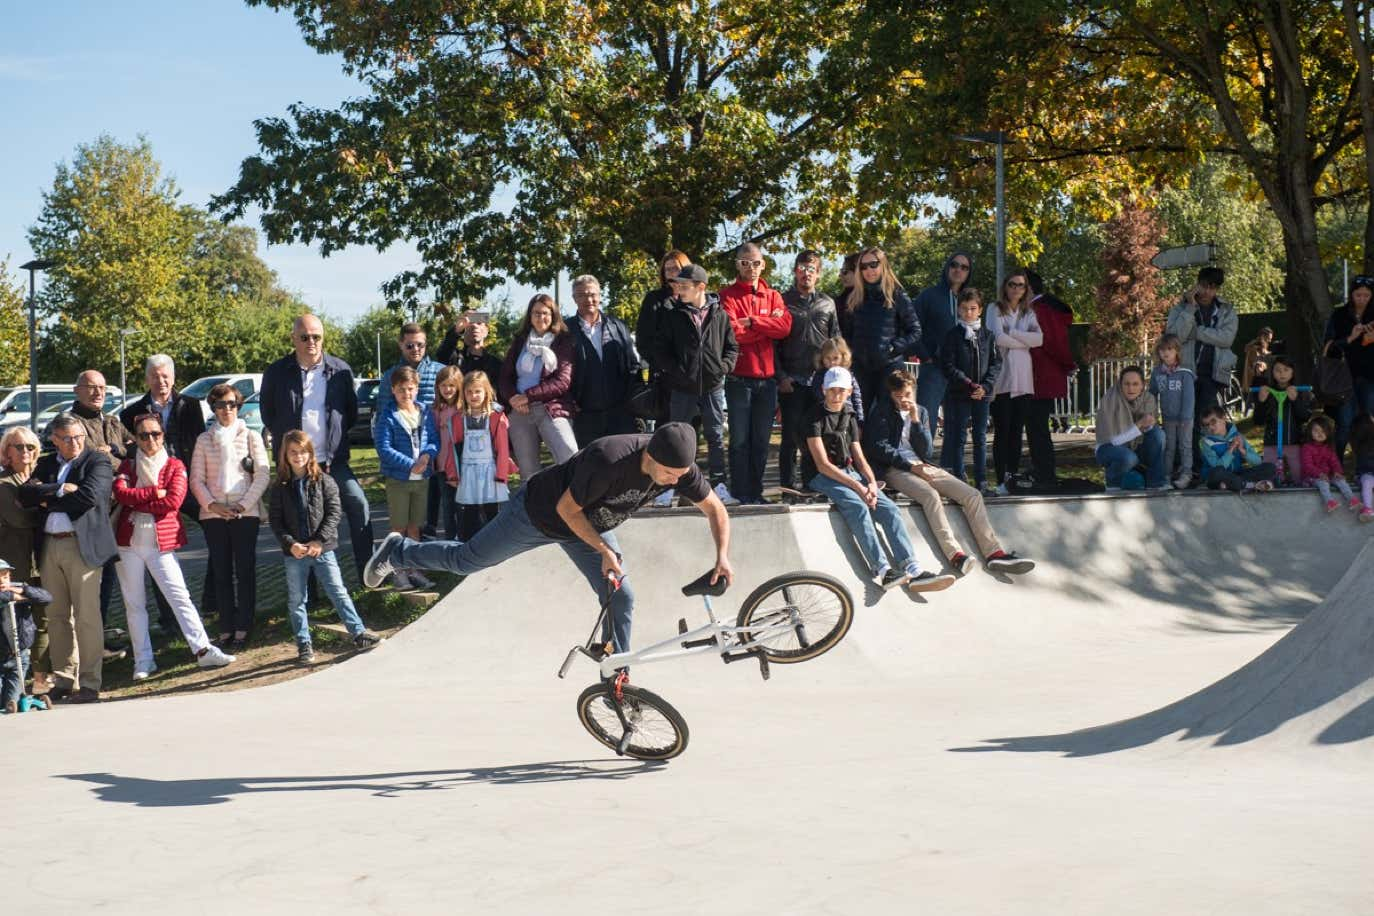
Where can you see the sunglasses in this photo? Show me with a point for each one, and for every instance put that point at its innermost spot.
(225, 405)
(414, 345)
(807, 269)
(960, 265)
(1362, 281)
(745, 262)
(144, 437)
(871, 265)
(310, 338)
(24, 446)
(1015, 284)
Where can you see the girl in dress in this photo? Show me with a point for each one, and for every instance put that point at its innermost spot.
(481, 453)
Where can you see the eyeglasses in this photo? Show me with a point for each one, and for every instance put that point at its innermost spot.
(807, 269)
(152, 434)
(90, 387)
(745, 262)
(414, 345)
(310, 338)
(225, 405)
(71, 440)
(871, 265)
(960, 265)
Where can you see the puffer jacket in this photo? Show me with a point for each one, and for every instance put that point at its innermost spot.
(554, 390)
(166, 511)
(397, 451)
(883, 337)
(205, 466)
(323, 510)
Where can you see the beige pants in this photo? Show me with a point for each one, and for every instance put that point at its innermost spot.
(926, 486)
(76, 637)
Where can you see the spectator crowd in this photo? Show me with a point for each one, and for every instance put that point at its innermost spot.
(110, 504)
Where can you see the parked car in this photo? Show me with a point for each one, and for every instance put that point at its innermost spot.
(246, 383)
(251, 415)
(361, 431)
(15, 410)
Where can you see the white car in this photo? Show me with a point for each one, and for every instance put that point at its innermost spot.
(14, 402)
(246, 384)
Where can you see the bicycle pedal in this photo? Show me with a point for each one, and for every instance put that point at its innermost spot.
(681, 625)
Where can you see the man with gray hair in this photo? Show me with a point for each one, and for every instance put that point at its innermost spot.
(72, 490)
(605, 366)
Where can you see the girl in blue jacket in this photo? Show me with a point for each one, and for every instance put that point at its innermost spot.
(407, 442)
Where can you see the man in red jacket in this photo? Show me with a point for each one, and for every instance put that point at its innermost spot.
(1051, 364)
(759, 319)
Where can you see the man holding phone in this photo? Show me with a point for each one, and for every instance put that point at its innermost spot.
(1206, 326)
(472, 329)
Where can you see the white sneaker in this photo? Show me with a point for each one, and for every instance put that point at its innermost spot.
(723, 493)
(142, 674)
(419, 579)
(214, 657)
(1182, 480)
(1001, 490)
(665, 499)
(400, 581)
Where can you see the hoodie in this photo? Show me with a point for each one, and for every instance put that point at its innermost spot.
(1176, 390)
(1216, 451)
(937, 310)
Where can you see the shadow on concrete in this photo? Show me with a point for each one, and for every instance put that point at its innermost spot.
(1355, 725)
(180, 793)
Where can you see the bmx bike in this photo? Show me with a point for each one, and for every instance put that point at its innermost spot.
(788, 619)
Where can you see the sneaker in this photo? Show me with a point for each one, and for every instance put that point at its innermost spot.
(142, 674)
(214, 657)
(665, 499)
(930, 582)
(723, 493)
(1332, 506)
(305, 654)
(400, 580)
(419, 579)
(84, 695)
(367, 640)
(379, 564)
(890, 578)
(1001, 490)
(1264, 486)
(1366, 514)
(1004, 562)
(962, 563)
(1183, 481)
(1355, 505)
(113, 655)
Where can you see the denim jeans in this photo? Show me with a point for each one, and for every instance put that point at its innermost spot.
(861, 521)
(931, 385)
(959, 412)
(684, 407)
(356, 511)
(326, 568)
(1118, 459)
(12, 678)
(510, 534)
(753, 403)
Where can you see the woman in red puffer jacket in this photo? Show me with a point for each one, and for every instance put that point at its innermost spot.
(1051, 363)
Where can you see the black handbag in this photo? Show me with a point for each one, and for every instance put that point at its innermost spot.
(648, 401)
(1332, 381)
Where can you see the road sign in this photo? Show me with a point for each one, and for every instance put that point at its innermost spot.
(1186, 256)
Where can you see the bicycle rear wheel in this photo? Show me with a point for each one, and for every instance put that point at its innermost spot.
(657, 730)
(818, 607)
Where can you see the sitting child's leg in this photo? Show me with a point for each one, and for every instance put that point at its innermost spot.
(1344, 488)
(1367, 490)
(975, 510)
(1222, 479)
(856, 515)
(889, 518)
(1324, 488)
(922, 492)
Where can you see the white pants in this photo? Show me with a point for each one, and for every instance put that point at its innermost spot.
(526, 431)
(166, 573)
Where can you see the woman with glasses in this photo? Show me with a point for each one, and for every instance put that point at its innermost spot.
(149, 488)
(1015, 331)
(229, 475)
(535, 380)
(1350, 334)
(659, 299)
(18, 524)
(884, 329)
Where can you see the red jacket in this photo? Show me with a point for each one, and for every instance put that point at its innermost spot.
(1052, 361)
(451, 432)
(171, 533)
(769, 321)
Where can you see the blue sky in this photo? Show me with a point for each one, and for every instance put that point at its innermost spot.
(191, 77)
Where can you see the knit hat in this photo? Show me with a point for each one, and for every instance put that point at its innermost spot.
(674, 445)
(838, 377)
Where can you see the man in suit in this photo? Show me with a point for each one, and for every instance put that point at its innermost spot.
(72, 488)
(604, 368)
(183, 421)
(312, 391)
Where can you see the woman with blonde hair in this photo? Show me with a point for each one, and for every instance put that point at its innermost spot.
(1016, 330)
(18, 526)
(883, 328)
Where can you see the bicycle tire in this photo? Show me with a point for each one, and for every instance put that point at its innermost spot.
(814, 592)
(660, 732)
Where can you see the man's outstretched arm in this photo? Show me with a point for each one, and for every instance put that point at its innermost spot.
(719, 519)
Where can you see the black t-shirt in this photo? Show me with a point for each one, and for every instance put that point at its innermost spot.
(837, 430)
(606, 481)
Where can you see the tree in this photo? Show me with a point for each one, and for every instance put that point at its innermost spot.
(14, 331)
(624, 130)
(1130, 312)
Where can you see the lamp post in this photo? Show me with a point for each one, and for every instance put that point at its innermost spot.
(123, 382)
(999, 139)
(33, 267)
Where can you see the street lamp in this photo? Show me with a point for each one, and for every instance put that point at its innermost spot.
(33, 267)
(123, 382)
(999, 139)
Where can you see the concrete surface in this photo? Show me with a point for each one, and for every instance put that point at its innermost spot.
(1049, 745)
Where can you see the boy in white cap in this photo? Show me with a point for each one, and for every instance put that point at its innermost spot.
(833, 463)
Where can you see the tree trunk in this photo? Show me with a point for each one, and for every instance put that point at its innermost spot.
(1365, 76)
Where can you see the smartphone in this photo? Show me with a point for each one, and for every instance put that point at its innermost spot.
(478, 317)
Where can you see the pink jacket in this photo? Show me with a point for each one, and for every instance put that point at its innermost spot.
(1319, 460)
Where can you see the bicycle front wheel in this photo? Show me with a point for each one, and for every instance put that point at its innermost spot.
(657, 730)
(808, 613)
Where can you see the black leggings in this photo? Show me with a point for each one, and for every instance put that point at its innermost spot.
(233, 548)
(1222, 479)
(1008, 420)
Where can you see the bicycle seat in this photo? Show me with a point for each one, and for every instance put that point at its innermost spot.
(703, 586)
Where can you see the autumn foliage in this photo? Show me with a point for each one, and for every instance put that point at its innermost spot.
(1130, 311)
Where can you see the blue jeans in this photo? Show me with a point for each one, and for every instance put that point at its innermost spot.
(684, 407)
(326, 569)
(861, 521)
(356, 511)
(12, 678)
(753, 402)
(512, 533)
(959, 412)
(1361, 400)
(1118, 459)
(931, 385)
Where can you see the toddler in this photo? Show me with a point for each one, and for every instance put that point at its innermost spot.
(1320, 466)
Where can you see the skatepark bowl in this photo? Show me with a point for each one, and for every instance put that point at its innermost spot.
(1171, 714)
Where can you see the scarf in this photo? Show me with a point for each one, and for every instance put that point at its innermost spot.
(230, 470)
(149, 472)
(538, 347)
(971, 328)
(1115, 414)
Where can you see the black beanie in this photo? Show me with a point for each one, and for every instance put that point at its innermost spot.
(674, 445)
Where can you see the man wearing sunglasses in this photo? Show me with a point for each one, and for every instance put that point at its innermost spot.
(759, 319)
(414, 346)
(936, 310)
(313, 391)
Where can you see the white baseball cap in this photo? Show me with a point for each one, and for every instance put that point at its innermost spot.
(838, 377)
